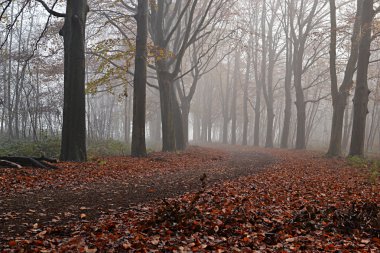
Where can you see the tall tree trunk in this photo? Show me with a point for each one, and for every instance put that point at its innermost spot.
(361, 89)
(196, 128)
(300, 99)
(372, 127)
(234, 96)
(138, 148)
(225, 104)
(165, 81)
(185, 106)
(245, 96)
(339, 97)
(127, 123)
(348, 114)
(73, 146)
(180, 142)
(288, 95)
(209, 113)
(259, 81)
(271, 48)
(8, 87)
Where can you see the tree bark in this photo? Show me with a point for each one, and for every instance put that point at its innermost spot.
(288, 96)
(180, 142)
(73, 146)
(165, 81)
(300, 99)
(245, 96)
(234, 96)
(138, 148)
(127, 123)
(259, 81)
(225, 104)
(339, 97)
(361, 89)
(348, 115)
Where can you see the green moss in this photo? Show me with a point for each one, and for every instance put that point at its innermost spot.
(357, 161)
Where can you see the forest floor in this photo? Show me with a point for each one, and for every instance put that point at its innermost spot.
(251, 199)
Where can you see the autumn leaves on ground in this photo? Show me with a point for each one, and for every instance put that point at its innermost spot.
(225, 199)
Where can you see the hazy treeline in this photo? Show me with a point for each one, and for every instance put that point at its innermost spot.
(251, 72)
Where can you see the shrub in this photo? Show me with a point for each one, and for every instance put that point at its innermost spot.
(101, 148)
(373, 167)
(51, 147)
(357, 161)
(48, 147)
(374, 172)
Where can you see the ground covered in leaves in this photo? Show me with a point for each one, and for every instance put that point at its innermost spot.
(250, 200)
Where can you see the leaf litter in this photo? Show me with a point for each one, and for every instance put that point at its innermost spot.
(302, 202)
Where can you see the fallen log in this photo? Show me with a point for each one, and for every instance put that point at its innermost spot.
(8, 164)
(45, 159)
(20, 161)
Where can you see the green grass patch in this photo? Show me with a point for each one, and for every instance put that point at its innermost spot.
(51, 147)
(103, 148)
(370, 165)
(357, 162)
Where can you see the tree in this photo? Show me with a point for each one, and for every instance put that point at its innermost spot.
(140, 78)
(361, 89)
(340, 96)
(235, 85)
(302, 20)
(259, 77)
(245, 87)
(174, 28)
(288, 82)
(73, 147)
(203, 59)
(274, 51)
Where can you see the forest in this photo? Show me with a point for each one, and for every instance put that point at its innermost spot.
(189, 126)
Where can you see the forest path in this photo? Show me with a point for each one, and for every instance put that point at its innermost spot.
(22, 211)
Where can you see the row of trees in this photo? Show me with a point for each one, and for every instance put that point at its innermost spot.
(303, 24)
(217, 70)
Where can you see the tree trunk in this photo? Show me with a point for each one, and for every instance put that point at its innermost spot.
(185, 120)
(209, 113)
(339, 97)
(127, 123)
(234, 96)
(180, 142)
(361, 89)
(245, 96)
(347, 128)
(225, 105)
(372, 127)
(300, 100)
(7, 91)
(165, 81)
(73, 146)
(138, 148)
(288, 96)
(197, 128)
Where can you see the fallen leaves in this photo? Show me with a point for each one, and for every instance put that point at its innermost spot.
(303, 202)
(111, 169)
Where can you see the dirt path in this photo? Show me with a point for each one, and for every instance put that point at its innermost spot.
(58, 206)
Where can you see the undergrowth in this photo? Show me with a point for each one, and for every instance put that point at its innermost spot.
(51, 146)
(373, 167)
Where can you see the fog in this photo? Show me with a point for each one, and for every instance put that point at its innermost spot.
(247, 72)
